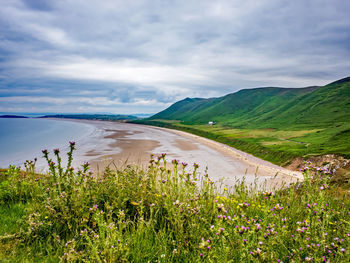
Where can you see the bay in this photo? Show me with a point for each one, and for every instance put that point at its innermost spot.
(22, 139)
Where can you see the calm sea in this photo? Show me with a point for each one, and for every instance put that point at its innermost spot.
(22, 139)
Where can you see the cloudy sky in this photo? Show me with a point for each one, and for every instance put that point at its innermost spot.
(140, 56)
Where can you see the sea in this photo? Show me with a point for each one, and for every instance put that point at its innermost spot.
(24, 139)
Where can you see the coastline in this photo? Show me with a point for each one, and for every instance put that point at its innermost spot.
(242, 156)
(124, 143)
(117, 144)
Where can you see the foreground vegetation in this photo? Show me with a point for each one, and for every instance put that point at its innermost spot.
(166, 214)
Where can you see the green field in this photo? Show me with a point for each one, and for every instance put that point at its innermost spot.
(277, 146)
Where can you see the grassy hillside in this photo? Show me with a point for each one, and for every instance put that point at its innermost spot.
(268, 107)
(276, 124)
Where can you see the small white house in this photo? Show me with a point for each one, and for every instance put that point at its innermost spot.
(211, 123)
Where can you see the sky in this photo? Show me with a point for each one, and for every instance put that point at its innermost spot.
(127, 57)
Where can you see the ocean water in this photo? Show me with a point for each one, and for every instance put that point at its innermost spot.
(24, 139)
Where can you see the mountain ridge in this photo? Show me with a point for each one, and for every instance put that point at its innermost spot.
(266, 106)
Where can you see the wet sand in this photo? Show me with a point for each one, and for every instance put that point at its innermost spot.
(124, 143)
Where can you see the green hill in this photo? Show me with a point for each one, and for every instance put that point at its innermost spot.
(268, 107)
(276, 124)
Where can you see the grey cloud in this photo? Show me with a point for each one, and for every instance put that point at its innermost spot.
(167, 50)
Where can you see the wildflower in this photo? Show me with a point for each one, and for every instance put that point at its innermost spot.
(242, 230)
(257, 227)
(86, 165)
(220, 206)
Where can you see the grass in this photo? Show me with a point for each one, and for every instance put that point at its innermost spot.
(166, 213)
(10, 216)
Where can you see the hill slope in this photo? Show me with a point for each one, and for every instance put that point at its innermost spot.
(276, 124)
(268, 107)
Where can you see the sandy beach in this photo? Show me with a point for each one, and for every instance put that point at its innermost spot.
(118, 144)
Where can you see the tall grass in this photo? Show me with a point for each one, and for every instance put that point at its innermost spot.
(167, 214)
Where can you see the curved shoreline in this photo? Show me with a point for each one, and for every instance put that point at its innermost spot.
(126, 143)
(243, 156)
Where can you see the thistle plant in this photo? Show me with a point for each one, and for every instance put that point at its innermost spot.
(167, 213)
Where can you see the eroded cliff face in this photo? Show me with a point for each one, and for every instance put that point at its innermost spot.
(329, 161)
(338, 165)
